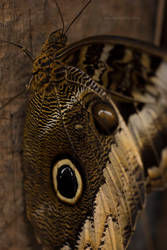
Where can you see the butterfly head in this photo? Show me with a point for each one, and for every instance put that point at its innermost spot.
(57, 37)
(56, 40)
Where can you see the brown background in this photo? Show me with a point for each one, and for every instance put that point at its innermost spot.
(29, 23)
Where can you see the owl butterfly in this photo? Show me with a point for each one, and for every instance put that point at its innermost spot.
(95, 140)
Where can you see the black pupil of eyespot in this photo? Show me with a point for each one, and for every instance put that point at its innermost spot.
(66, 182)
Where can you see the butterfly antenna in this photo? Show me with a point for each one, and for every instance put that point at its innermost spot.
(11, 99)
(76, 17)
(61, 16)
(27, 52)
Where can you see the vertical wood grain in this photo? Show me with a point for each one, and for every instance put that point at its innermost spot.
(29, 23)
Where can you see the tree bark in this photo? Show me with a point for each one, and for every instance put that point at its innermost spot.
(29, 23)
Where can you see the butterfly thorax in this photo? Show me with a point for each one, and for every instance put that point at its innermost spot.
(47, 66)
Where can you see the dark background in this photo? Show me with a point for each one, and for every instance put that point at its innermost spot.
(29, 23)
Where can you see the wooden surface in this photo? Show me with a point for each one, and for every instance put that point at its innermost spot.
(29, 23)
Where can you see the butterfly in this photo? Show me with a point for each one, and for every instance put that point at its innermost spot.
(90, 108)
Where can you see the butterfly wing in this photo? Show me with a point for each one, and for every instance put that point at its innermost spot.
(127, 68)
(76, 124)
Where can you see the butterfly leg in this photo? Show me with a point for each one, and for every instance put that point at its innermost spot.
(157, 176)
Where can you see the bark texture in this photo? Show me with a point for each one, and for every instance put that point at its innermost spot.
(29, 23)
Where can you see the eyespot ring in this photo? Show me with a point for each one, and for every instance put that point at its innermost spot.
(69, 192)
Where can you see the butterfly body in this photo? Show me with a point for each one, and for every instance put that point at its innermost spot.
(77, 124)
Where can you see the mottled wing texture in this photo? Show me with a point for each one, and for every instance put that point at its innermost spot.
(131, 79)
(136, 70)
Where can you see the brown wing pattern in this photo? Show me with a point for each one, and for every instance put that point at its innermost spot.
(133, 69)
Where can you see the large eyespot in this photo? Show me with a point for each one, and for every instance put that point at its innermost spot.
(105, 118)
(67, 181)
